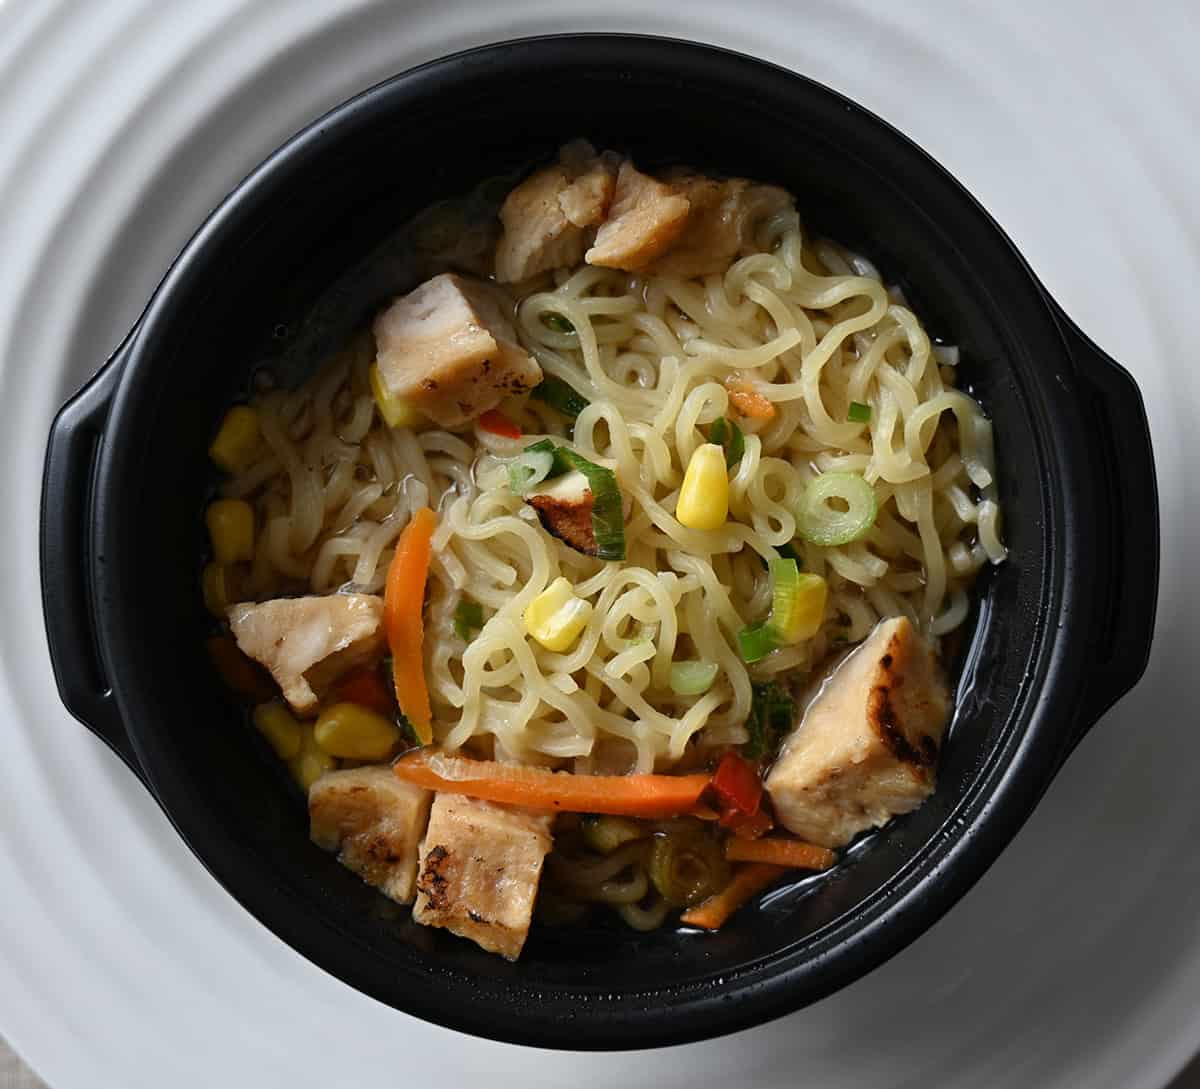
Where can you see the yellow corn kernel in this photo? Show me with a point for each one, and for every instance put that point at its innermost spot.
(214, 581)
(237, 440)
(556, 617)
(231, 529)
(312, 761)
(809, 609)
(704, 498)
(348, 729)
(396, 411)
(276, 723)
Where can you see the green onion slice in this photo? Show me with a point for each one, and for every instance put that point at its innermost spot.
(725, 432)
(792, 602)
(821, 524)
(551, 319)
(859, 413)
(529, 469)
(468, 618)
(560, 396)
(756, 642)
(785, 600)
(608, 515)
(692, 678)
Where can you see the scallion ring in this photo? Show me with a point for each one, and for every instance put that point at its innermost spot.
(756, 642)
(692, 678)
(822, 524)
(529, 469)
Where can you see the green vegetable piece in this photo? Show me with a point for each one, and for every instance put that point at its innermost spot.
(687, 864)
(821, 524)
(605, 833)
(560, 396)
(529, 469)
(772, 712)
(859, 413)
(692, 678)
(756, 642)
(468, 618)
(557, 322)
(725, 432)
(608, 515)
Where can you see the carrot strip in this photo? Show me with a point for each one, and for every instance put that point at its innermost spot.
(557, 791)
(403, 604)
(794, 853)
(749, 880)
(747, 400)
(497, 423)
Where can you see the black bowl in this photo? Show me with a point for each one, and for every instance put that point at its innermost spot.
(1061, 630)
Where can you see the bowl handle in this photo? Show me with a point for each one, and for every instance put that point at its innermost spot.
(1128, 524)
(67, 554)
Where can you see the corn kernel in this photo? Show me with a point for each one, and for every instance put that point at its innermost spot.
(556, 617)
(231, 529)
(311, 762)
(348, 729)
(809, 609)
(396, 411)
(237, 439)
(280, 728)
(704, 498)
(215, 585)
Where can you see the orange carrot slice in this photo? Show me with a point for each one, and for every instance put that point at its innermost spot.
(794, 853)
(749, 880)
(403, 605)
(556, 791)
(747, 400)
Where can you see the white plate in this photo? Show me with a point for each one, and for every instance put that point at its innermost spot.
(1076, 961)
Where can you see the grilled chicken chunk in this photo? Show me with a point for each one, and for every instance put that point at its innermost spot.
(307, 642)
(564, 506)
(374, 822)
(479, 869)
(866, 745)
(721, 225)
(646, 217)
(547, 217)
(449, 350)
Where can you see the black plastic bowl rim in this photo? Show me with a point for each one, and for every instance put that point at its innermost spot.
(1062, 700)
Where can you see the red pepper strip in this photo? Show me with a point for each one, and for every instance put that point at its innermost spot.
(497, 423)
(737, 787)
(367, 688)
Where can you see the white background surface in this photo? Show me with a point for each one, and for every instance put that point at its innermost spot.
(1076, 961)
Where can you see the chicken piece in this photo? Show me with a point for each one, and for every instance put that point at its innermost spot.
(724, 218)
(374, 822)
(646, 217)
(449, 351)
(564, 506)
(593, 179)
(546, 218)
(308, 642)
(866, 745)
(479, 869)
